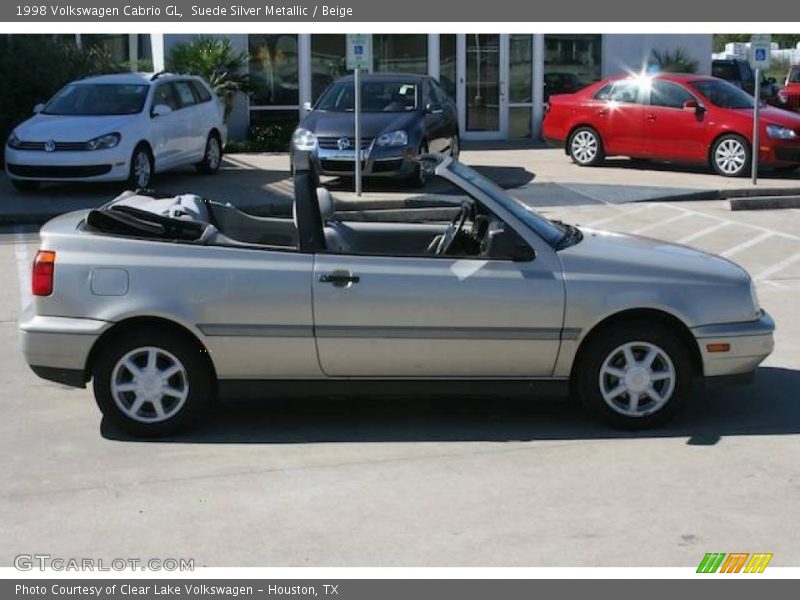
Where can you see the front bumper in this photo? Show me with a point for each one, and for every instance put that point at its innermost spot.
(57, 348)
(375, 161)
(101, 165)
(750, 343)
(779, 152)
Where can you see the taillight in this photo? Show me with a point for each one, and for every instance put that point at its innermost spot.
(43, 267)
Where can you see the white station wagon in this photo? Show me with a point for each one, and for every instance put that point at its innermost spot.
(122, 127)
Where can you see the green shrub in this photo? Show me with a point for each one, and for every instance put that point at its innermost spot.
(674, 61)
(34, 67)
(266, 137)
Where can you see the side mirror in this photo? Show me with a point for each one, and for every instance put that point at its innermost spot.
(694, 105)
(160, 110)
(307, 106)
(38, 108)
(433, 109)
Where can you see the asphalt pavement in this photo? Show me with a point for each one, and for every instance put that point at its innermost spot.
(423, 482)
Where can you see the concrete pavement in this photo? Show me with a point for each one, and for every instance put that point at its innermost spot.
(260, 183)
(424, 482)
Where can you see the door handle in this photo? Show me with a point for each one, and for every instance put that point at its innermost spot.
(340, 278)
(651, 117)
(602, 113)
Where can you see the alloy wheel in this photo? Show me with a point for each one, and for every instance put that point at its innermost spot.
(149, 384)
(584, 147)
(213, 154)
(142, 169)
(730, 156)
(637, 379)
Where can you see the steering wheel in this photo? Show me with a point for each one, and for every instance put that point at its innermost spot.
(453, 229)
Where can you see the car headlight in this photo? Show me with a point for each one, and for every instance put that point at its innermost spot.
(304, 140)
(393, 138)
(103, 142)
(754, 296)
(13, 141)
(781, 133)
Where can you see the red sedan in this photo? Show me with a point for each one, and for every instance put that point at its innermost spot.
(679, 118)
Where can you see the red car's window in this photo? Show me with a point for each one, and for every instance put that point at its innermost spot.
(626, 91)
(669, 95)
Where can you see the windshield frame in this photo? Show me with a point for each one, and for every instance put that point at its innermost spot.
(553, 234)
(351, 84)
(57, 95)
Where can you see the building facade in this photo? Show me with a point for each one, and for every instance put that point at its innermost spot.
(500, 81)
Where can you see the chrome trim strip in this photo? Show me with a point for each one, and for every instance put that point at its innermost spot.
(244, 330)
(379, 332)
(764, 325)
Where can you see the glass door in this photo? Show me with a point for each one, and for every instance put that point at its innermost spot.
(483, 103)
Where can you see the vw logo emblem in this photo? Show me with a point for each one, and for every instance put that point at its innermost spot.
(343, 143)
(49, 146)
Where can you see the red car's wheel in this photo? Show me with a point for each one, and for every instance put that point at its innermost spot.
(585, 147)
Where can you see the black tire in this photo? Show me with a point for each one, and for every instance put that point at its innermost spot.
(212, 156)
(137, 179)
(742, 159)
(25, 185)
(591, 378)
(196, 378)
(585, 147)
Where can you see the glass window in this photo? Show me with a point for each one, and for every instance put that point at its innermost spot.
(185, 94)
(328, 61)
(98, 99)
(575, 57)
(723, 94)
(670, 95)
(483, 82)
(520, 68)
(625, 91)
(447, 63)
(200, 91)
(519, 122)
(400, 53)
(273, 69)
(165, 94)
(376, 96)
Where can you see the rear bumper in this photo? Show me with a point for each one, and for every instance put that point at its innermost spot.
(750, 343)
(57, 348)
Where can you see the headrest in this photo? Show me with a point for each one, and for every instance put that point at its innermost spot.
(326, 204)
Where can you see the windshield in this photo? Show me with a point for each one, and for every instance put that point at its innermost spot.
(794, 76)
(376, 96)
(98, 99)
(551, 232)
(723, 94)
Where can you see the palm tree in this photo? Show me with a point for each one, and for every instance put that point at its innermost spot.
(674, 61)
(215, 60)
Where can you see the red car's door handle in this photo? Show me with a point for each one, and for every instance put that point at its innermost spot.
(602, 112)
(651, 117)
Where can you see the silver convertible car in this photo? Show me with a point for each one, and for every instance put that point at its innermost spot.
(170, 303)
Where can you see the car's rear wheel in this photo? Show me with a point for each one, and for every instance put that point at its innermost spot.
(152, 384)
(730, 156)
(212, 157)
(25, 185)
(141, 172)
(634, 376)
(585, 147)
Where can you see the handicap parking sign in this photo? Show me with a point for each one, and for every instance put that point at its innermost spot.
(761, 54)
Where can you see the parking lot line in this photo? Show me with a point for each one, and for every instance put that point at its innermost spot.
(703, 232)
(747, 244)
(23, 267)
(659, 224)
(778, 267)
(624, 213)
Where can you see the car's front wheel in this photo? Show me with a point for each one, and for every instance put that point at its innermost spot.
(150, 383)
(730, 156)
(585, 147)
(212, 157)
(141, 173)
(635, 375)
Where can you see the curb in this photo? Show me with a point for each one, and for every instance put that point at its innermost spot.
(765, 202)
(726, 195)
